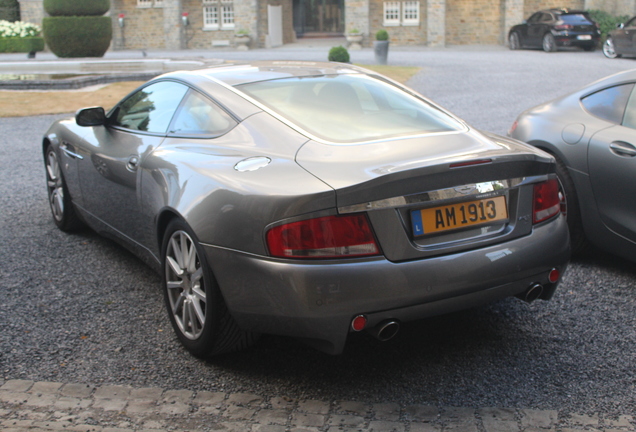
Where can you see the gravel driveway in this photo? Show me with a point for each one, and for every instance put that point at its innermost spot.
(79, 308)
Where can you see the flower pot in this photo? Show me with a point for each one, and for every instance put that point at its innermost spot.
(242, 42)
(354, 40)
(381, 51)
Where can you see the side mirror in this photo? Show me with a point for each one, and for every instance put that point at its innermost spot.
(91, 117)
(620, 26)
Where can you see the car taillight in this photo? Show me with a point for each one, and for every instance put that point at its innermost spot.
(546, 201)
(513, 128)
(563, 27)
(324, 237)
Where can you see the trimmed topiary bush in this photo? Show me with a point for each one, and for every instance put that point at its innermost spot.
(382, 35)
(76, 28)
(76, 7)
(339, 54)
(28, 44)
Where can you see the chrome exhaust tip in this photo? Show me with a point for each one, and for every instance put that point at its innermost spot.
(532, 293)
(385, 331)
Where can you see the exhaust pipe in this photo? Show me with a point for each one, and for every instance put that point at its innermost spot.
(385, 331)
(532, 293)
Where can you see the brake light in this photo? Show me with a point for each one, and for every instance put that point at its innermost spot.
(324, 237)
(563, 27)
(546, 201)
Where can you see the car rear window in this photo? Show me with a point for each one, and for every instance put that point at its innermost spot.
(609, 104)
(575, 19)
(350, 107)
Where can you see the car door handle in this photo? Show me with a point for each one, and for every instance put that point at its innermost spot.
(69, 153)
(133, 163)
(623, 149)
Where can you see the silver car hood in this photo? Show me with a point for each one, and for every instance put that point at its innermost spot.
(379, 170)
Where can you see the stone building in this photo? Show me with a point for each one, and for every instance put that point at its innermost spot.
(201, 24)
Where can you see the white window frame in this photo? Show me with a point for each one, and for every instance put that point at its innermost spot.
(411, 13)
(144, 3)
(158, 3)
(221, 13)
(392, 13)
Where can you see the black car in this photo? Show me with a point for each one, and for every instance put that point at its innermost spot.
(621, 41)
(553, 28)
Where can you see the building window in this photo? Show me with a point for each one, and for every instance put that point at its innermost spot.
(149, 3)
(218, 14)
(405, 13)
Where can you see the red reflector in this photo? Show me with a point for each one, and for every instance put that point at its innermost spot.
(325, 237)
(546, 200)
(359, 323)
(470, 163)
(554, 275)
(513, 128)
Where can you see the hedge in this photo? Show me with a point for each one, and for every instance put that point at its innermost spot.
(77, 36)
(606, 21)
(57, 8)
(28, 44)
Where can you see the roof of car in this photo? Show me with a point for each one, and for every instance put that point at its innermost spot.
(238, 74)
(565, 11)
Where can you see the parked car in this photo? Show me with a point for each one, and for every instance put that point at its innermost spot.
(591, 133)
(621, 41)
(307, 199)
(553, 28)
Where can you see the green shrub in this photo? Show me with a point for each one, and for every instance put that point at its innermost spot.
(339, 54)
(382, 35)
(27, 44)
(9, 10)
(606, 21)
(76, 7)
(77, 36)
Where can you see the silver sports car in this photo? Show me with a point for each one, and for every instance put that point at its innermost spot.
(307, 199)
(592, 134)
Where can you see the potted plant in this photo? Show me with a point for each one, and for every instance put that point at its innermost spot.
(338, 54)
(242, 40)
(354, 38)
(381, 46)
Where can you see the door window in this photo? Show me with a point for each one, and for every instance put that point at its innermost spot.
(151, 108)
(609, 104)
(198, 115)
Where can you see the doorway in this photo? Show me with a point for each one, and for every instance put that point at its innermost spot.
(319, 18)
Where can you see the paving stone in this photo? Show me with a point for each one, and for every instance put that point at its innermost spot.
(498, 413)
(205, 410)
(236, 412)
(579, 430)
(425, 427)
(77, 390)
(110, 404)
(268, 428)
(386, 426)
(622, 421)
(112, 392)
(147, 393)
(538, 418)
(313, 407)
(141, 406)
(357, 408)
(457, 414)
(495, 425)
(182, 396)
(245, 399)
(13, 398)
(346, 420)
(209, 398)
(40, 400)
(16, 423)
(277, 417)
(45, 387)
(231, 427)
(174, 408)
(423, 413)
(305, 429)
(308, 420)
(387, 411)
(583, 420)
(16, 385)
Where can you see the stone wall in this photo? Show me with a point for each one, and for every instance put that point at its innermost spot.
(532, 6)
(143, 26)
(289, 35)
(31, 11)
(398, 34)
(473, 22)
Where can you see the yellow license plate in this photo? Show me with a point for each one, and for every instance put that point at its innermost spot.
(460, 215)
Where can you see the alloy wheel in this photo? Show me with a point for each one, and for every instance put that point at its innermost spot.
(514, 41)
(608, 49)
(55, 185)
(185, 285)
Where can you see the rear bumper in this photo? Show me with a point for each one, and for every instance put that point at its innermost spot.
(317, 300)
(572, 40)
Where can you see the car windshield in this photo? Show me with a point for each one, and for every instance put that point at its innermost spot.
(350, 107)
(575, 19)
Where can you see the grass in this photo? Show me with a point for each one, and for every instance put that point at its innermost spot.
(29, 103)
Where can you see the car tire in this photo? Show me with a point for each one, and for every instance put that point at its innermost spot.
(609, 50)
(513, 41)
(59, 197)
(589, 48)
(197, 311)
(549, 43)
(570, 208)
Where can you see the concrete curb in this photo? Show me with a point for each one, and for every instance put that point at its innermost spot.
(53, 406)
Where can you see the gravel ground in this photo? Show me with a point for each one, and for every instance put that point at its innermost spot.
(79, 308)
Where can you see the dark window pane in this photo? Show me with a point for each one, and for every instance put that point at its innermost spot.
(151, 108)
(575, 19)
(609, 104)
